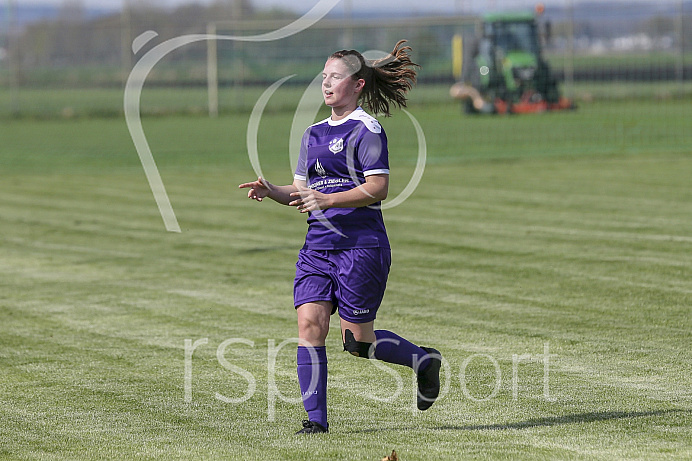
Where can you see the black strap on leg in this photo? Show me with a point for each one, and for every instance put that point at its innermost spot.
(357, 348)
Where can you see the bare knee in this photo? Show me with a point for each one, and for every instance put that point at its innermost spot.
(311, 328)
(313, 323)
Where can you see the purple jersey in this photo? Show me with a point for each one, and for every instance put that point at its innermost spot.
(336, 157)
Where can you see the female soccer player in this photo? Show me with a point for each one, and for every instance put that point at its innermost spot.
(341, 178)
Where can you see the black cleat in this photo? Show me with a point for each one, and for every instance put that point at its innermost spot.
(311, 427)
(429, 380)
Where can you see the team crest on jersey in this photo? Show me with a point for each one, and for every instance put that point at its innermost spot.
(319, 169)
(336, 145)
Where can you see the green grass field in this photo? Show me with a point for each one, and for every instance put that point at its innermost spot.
(55, 102)
(547, 257)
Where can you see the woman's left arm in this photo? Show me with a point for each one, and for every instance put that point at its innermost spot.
(374, 190)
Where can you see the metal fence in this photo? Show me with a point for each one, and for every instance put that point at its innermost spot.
(78, 66)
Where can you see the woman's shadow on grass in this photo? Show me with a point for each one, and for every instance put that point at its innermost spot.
(549, 421)
(590, 417)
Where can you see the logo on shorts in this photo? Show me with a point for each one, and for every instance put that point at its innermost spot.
(361, 311)
(336, 145)
(319, 169)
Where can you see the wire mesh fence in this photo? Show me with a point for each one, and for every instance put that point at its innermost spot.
(74, 65)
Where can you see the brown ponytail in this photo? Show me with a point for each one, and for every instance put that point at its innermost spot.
(387, 80)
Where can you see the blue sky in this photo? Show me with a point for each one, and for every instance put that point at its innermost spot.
(412, 6)
(299, 5)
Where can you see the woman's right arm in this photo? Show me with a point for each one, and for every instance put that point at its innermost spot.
(262, 188)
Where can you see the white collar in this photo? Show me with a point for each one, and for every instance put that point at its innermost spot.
(356, 114)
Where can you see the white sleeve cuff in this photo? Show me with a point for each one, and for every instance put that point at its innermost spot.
(372, 172)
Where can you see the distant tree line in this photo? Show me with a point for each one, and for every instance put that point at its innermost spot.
(74, 48)
(655, 27)
(71, 39)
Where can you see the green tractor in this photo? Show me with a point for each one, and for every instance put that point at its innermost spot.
(502, 70)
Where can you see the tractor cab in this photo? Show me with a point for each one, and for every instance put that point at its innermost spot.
(516, 34)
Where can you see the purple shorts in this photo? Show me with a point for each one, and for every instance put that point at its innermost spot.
(352, 280)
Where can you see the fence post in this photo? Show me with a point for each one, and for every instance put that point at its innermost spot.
(126, 40)
(348, 23)
(681, 38)
(569, 62)
(212, 72)
(13, 57)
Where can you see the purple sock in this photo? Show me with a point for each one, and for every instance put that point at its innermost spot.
(392, 348)
(315, 402)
